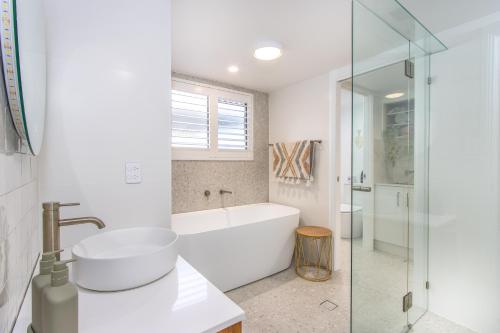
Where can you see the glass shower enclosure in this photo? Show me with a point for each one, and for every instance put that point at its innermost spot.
(391, 56)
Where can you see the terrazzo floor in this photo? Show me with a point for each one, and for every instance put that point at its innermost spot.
(286, 303)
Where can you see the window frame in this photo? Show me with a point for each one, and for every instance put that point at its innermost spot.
(213, 153)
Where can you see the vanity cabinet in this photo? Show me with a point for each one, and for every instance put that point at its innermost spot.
(168, 304)
(393, 210)
(236, 328)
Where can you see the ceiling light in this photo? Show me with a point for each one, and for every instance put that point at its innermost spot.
(394, 95)
(233, 69)
(268, 51)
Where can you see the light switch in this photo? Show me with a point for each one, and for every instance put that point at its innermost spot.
(133, 173)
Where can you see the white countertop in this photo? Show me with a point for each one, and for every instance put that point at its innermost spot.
(183, 301)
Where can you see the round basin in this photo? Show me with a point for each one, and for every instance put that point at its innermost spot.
(125, 258)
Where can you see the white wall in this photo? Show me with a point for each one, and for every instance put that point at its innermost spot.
(108, 102)
(301, 111)
(464, 181)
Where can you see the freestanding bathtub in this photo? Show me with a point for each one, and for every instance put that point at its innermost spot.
(234, 246)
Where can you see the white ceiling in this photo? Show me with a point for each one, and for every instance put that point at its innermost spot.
(439, 15)
(209, 36)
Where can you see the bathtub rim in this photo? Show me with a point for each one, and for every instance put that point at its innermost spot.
(294, 212)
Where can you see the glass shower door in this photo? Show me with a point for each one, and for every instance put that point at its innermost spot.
(418, 211)
(389, 257)
(381, 187)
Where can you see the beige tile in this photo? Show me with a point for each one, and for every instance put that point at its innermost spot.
(248, 180)
(432, 323)
(286, 303)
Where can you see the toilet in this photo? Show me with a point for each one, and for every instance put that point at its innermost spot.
(357, 221)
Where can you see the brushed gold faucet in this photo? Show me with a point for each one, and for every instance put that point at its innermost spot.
(52, 224)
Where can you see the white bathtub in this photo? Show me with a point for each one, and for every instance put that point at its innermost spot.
(234, 246)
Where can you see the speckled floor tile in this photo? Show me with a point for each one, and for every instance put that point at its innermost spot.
(286, 303)
(431, 323)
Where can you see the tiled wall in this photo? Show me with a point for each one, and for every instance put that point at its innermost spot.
(20, 229)
(248, 180)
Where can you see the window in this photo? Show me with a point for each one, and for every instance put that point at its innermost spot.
(190, 120)
(210, 123)
(232, 126)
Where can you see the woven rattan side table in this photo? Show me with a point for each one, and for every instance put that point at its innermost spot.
(313, 253)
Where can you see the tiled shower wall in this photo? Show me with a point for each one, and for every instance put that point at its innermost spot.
(20, 230)
(248, 180)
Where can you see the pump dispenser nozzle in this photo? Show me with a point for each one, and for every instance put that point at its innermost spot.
(60, 272)
(47, 261)
(49, 255)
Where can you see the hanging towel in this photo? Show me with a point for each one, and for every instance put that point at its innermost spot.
(293, 162)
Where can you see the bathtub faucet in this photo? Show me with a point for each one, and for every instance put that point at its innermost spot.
(221, 192)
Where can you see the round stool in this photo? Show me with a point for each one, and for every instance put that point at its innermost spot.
(313, 253)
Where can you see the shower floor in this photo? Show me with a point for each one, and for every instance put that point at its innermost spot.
(287, 303)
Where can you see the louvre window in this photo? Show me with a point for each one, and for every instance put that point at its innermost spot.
(190, 120)
(232, 125)
(210, 123)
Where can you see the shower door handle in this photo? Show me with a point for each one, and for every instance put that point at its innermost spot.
(397, 198)
(361, 188)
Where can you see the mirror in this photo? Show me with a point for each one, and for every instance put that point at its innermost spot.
(24, 65)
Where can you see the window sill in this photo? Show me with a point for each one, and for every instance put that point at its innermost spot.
(197, 155)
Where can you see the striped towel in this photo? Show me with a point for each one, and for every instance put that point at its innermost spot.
(293, 162)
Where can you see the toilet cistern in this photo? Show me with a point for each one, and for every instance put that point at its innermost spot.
(52, 224)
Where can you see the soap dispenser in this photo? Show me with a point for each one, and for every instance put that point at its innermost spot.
(60, 302)
(38, 283)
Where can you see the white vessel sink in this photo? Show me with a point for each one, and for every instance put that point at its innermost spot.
(125, 258)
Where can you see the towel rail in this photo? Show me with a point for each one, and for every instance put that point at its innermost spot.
(313, 141)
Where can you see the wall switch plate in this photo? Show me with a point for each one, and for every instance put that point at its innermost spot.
(133, 173)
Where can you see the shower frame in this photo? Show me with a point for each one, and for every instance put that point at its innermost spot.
(385, 33)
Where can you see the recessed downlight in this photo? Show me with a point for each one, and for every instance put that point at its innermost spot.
(394, 95)
(268, 51)
(233, 69)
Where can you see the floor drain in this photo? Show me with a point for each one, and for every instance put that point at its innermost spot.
(330, 306)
